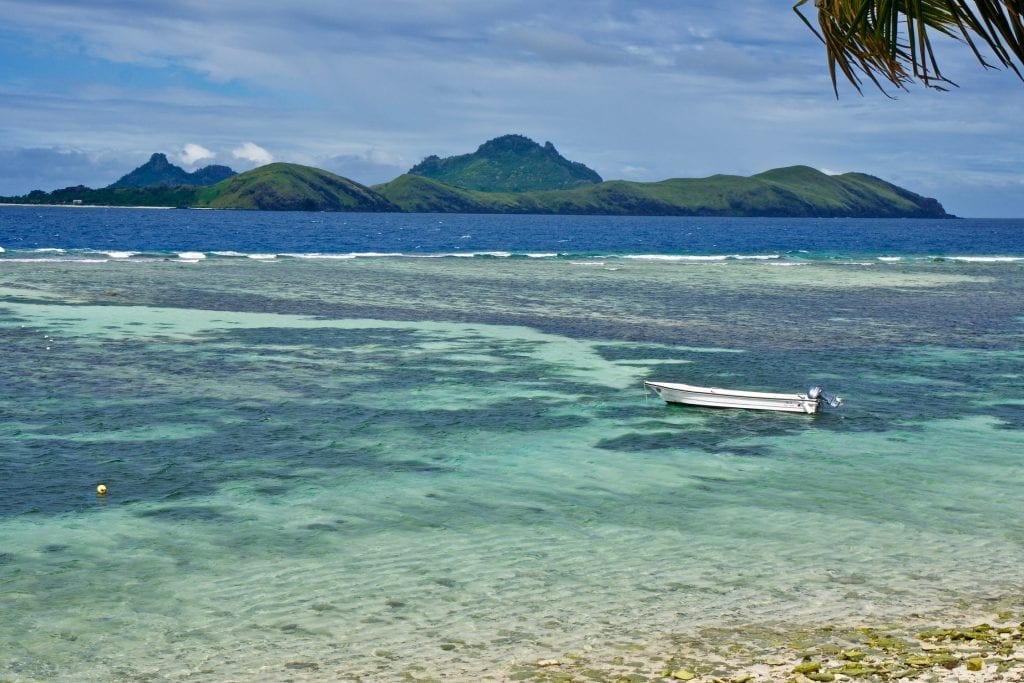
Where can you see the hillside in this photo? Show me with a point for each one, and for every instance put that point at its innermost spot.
(511, 163)
(798, 191)
(515, 163)
(841, 194)
(275, 187)
(291, 187)
(159, 171)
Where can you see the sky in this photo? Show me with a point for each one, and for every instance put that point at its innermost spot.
(635, 90)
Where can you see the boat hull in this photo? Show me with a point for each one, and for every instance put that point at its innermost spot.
(713, 397)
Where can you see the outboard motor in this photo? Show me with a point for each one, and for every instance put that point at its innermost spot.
(817, 394)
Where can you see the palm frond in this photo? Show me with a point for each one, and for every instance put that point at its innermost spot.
(890, 40)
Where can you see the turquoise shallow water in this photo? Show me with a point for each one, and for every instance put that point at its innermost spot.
(376, 468)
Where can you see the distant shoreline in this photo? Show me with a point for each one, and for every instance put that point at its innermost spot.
(470, 212)
(87, 206)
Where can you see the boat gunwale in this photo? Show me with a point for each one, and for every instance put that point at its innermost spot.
(718, 391)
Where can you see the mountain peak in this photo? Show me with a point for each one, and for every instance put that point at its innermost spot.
(159, 171)
(508, 143)
(509, 163)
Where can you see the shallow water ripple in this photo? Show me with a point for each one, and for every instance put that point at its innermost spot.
(367, 469)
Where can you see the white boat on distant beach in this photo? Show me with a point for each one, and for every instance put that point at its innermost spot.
(714, 397)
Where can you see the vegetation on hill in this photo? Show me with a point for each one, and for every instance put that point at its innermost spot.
(159, 171)
(842, 193)
(798, 191)
(291, 187)
(210, 175)
(275, 187)
(511, 163)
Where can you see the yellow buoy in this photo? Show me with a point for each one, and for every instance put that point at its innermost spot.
(101, 490)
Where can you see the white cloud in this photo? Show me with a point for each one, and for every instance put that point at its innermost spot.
(193, 154)
(634, 172)
(250, 151)
(368, 166)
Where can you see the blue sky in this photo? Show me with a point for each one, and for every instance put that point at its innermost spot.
(636, 90)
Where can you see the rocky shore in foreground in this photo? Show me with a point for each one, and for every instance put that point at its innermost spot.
(982, 652)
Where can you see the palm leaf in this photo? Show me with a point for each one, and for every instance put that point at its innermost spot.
(890, 40)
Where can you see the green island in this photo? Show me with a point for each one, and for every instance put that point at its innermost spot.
(509, 174)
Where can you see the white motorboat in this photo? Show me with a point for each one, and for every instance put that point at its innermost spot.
(714, 397)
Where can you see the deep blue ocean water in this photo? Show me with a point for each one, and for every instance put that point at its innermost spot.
(25, 228)
(375, 447)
